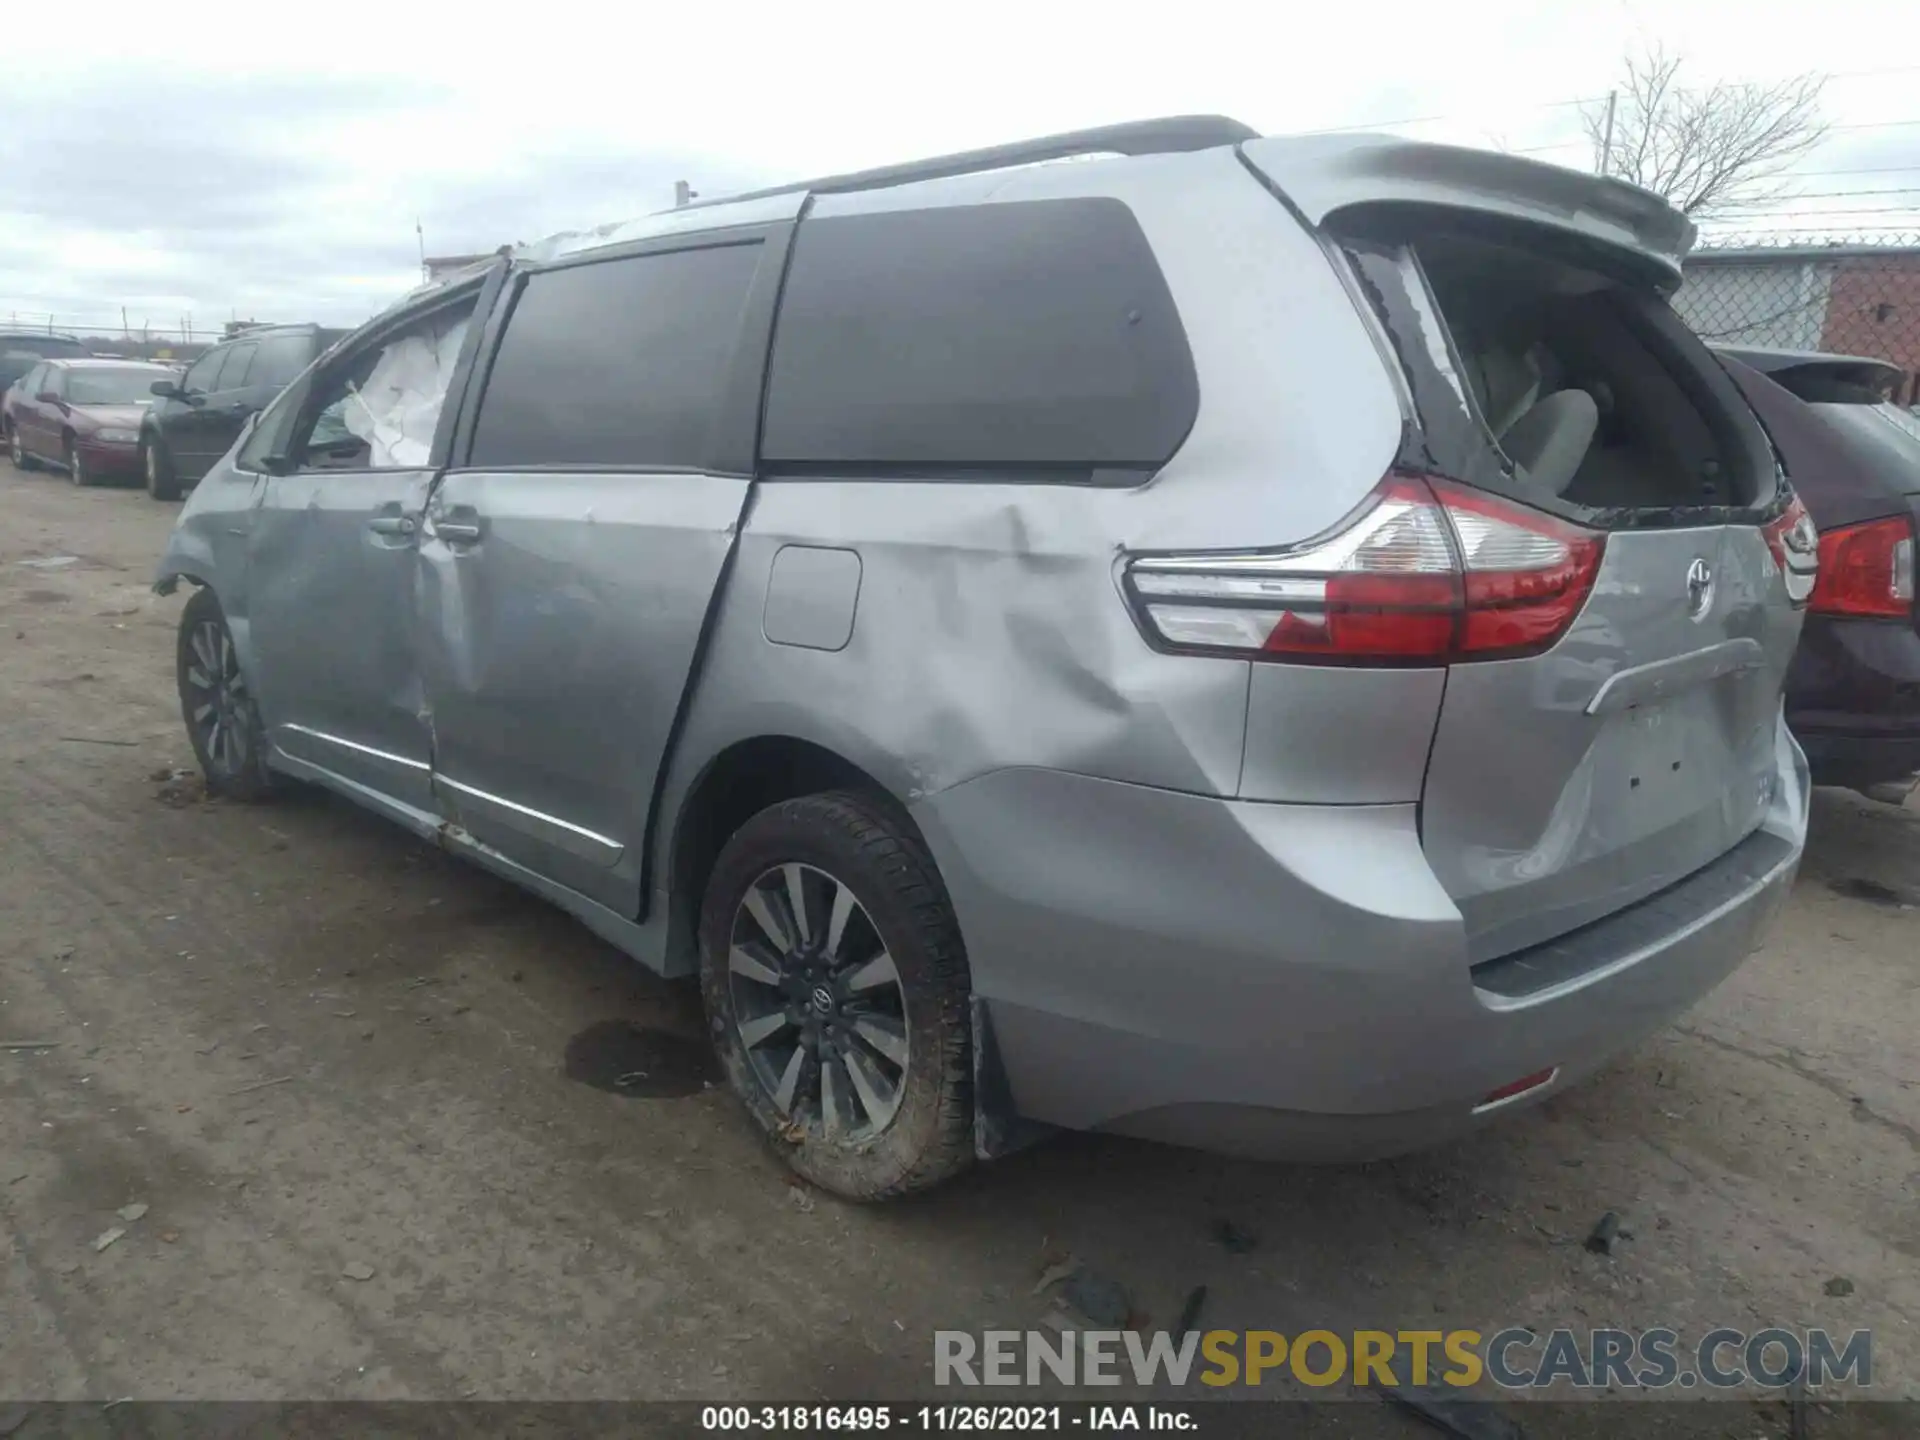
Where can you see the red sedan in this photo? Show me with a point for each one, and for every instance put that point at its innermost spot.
(80, 415)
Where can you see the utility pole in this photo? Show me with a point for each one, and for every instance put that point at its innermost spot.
(126, 331)
(420, 234)
(1606, 144)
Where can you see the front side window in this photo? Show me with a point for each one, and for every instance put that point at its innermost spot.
(56, 382)
(234, 374)
(378, 408)
(201, 374)
(618, 363)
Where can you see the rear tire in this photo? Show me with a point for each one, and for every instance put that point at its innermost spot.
(157, 466)
(222, 721)
(18, 452)
(850, 1044)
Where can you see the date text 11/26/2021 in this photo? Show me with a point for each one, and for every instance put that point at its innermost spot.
(817, 1419)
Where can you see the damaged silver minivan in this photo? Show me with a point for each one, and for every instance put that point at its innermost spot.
(1266, 644)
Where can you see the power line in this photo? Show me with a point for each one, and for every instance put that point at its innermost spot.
(1882, 70)
(1858, 170)
(1444, 119)
(1754, 212)
(1599, 99)
(1874, 125)
(1837, 195)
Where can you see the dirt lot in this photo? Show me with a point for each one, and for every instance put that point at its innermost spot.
(314, 1048)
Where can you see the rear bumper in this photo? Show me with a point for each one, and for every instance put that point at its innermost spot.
(1853, 699)
(1291, 981)
(1857, 761)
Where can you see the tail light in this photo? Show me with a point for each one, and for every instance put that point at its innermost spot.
(1866, 570)
(1425, 572)
(1796, 550)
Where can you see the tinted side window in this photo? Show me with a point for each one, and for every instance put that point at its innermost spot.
(281, 359)
(204, 371)
(1028, 335)
(234, 375)
(617, 363)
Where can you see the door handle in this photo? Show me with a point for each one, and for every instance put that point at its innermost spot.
(465, 532)
(392, 525)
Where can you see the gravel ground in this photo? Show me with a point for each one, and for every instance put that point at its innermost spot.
(366, 1095)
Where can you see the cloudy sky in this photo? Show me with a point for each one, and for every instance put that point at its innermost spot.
(218, 160)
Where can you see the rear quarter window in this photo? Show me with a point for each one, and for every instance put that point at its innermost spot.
(1032, 339)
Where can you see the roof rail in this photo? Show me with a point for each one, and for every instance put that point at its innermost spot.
(1135, 137)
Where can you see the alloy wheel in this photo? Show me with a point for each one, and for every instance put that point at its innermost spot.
(220, 710)
(818, 1004)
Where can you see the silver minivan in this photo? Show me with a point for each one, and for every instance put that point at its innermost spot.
(1266, 644)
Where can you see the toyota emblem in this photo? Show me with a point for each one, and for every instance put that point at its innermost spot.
(1699, 588)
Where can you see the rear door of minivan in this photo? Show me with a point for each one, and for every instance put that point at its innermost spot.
(1641, 745)
(571, 554)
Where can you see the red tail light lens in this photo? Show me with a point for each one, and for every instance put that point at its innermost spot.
(1796, 550)
(1426, 572)
(1866, 570)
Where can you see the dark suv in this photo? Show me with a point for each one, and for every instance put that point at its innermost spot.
(1853, 695)
(21, 350)
(195, 419)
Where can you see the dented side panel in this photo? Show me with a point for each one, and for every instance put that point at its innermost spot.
(1634, 753)
(988, 634)
(554, 649)
(334, 669)
(208, 546)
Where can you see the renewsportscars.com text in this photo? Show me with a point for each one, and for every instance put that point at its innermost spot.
(1515, 1358)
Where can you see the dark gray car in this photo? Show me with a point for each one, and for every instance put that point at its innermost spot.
(1266, 644)
(1853, 694)
(194, 420)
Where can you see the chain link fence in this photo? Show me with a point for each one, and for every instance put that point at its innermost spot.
(1852, 297)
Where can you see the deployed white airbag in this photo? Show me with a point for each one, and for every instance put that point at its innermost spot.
(396, 411)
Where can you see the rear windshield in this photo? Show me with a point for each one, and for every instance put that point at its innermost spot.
(42, 347)
(1536, 374)
(20, 353)
(111, 387)
(1883, 435)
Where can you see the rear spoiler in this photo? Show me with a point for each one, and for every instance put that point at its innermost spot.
(1786, 366)
(1325, 174)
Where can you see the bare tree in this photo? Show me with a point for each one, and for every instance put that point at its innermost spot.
(1703, 149)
